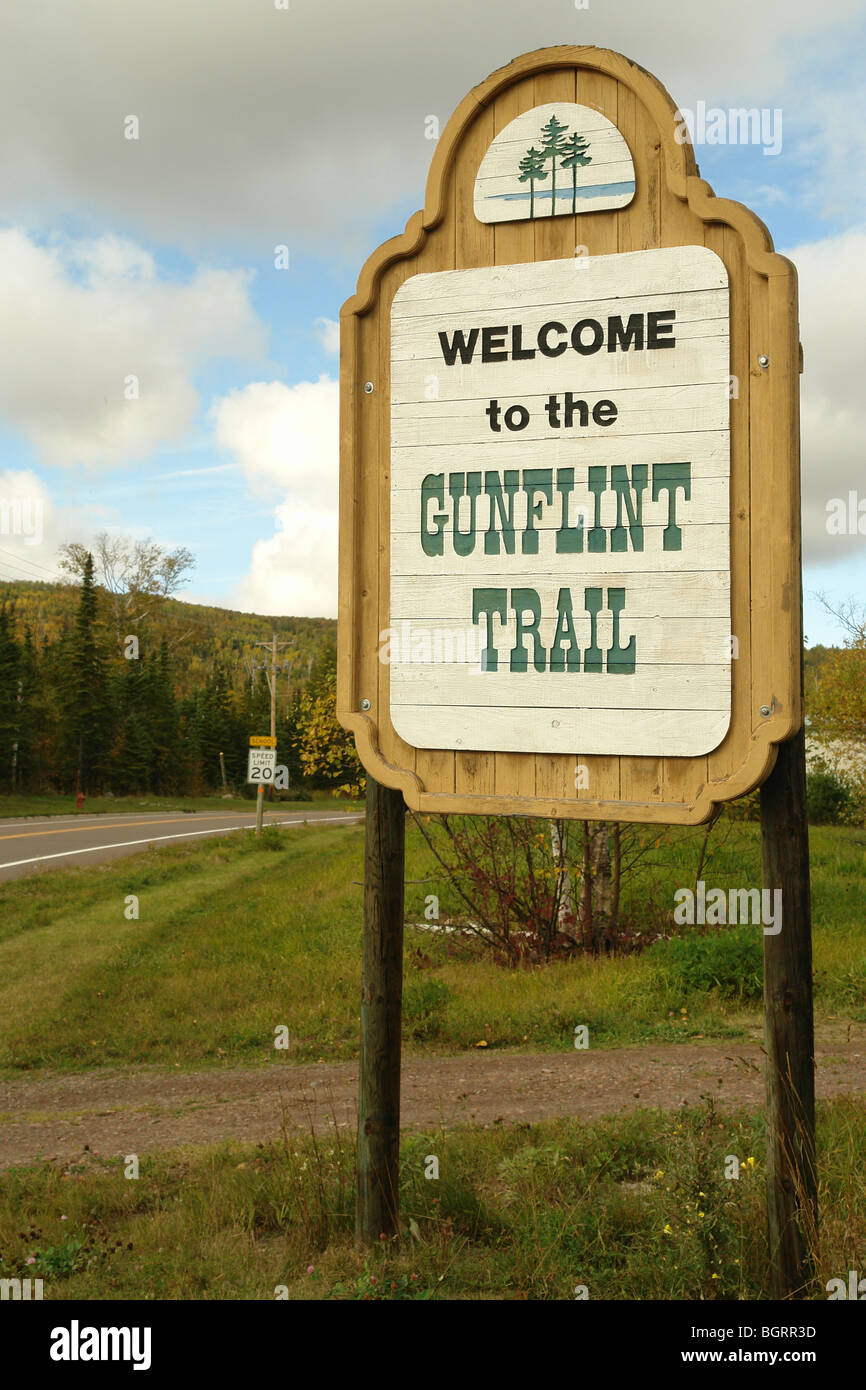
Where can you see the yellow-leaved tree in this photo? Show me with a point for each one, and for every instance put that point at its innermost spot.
(326, 751)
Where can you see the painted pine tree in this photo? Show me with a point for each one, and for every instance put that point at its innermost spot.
(532, 168)
(575, 156)
(553, 145)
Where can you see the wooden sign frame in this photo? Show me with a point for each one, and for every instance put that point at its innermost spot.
(672, 206)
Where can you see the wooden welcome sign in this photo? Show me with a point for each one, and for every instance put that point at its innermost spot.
(569, 492)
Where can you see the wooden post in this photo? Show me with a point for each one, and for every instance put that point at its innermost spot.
(792, 1209)
(381, 1002)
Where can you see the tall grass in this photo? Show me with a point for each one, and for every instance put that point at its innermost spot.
(632, 1208)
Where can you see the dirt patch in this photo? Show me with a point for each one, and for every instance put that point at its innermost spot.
(63, 1118)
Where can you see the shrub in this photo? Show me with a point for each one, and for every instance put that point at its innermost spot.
(729, 960)
(745, 807)
(424, 1005)
(828, 798)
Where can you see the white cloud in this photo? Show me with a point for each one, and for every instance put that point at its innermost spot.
(83, 317)
(286, 438)
(284, 125)
(832, 312)
(328, 334)
(32, 527)
(295, 570)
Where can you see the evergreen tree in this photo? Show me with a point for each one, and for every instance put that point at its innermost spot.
(575, 148)
(168, 768)
(10, 702)
(89, 715)
(532, 168)
(132, 755)
(552, 145)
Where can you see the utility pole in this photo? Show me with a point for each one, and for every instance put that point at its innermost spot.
(271, 675)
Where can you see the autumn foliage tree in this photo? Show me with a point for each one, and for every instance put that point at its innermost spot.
(325, 750)
(838, 706)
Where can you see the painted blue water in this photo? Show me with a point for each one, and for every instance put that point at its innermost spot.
(596, 190)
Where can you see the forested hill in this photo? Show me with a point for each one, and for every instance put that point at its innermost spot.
(199, 638)
(128, 690)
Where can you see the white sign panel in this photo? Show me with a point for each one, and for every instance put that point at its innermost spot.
(261, 765)
(560, 550)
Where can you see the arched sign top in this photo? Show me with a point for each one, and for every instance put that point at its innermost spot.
(558, 159)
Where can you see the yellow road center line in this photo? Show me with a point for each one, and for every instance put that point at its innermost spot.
(70, 829)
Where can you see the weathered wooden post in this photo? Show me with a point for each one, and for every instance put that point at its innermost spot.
(381, 1001)
(788, 1026)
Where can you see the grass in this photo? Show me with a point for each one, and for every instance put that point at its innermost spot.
(236, 938)
(632, 1208)
(13, 806)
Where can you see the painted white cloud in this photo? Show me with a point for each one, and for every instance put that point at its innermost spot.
(82, 319)
(832, 312)
(286, 440)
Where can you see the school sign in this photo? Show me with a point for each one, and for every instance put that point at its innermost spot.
(569, 545)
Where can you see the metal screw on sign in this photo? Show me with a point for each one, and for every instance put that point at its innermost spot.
(763, 360)
(765, 710)
(365, 704)
(368, 388)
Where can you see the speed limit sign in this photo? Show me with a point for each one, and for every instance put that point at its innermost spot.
(261, 765)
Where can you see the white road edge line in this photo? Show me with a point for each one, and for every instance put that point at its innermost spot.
(152, 839)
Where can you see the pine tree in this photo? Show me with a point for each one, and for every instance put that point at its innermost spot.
(168, 770)
(532, 168)
(575, 149)
(89, 713)
(10, 703)
(552, 145)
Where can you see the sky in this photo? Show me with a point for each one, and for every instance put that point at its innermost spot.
(164, 373)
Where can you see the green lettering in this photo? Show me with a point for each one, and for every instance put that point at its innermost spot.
(525, 601)
(559, 659)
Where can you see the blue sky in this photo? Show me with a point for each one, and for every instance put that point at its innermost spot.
(262, 126)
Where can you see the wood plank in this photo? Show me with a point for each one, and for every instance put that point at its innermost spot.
(513, 243)
(638, 228)
(436, 767)
(474, 246)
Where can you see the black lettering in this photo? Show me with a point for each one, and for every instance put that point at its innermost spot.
(657, 325)
(604, 413)
(543, 346)
(619, 336)
(518, 351)
(459, 344)
(493, 347)
(586, 349)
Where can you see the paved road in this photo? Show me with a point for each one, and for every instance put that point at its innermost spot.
(51, 842)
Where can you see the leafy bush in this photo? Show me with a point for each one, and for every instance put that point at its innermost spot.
(745, 807)
(828, 798)
(729, 960)
(424, 1005)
